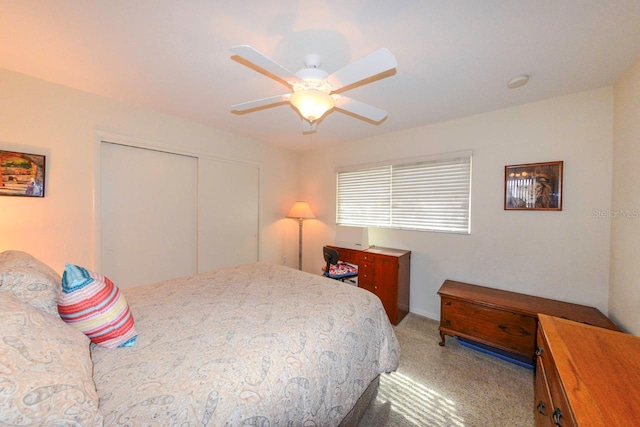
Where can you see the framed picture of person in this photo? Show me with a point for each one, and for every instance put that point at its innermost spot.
(533, 186)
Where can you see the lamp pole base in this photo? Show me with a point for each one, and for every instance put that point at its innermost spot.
(300, 245)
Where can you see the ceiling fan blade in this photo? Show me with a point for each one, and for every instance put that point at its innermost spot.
(258, 103)
(375, 63)
(360, 108)
(251, 55)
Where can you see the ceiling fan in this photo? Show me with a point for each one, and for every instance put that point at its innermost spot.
(314, 91)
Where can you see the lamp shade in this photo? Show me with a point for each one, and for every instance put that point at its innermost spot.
(300, 210)
(312, 103)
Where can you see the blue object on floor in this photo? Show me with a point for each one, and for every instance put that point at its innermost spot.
(500, 354)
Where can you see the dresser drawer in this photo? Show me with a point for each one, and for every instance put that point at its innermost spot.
(542, 405)
(559, 410)
(366, 270)
(504, 329)
(365, 257)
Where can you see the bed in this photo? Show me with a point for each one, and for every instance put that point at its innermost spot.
(250, 345)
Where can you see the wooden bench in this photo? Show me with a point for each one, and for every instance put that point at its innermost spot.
(504, 320)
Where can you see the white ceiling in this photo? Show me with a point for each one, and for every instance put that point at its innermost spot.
(454, 57)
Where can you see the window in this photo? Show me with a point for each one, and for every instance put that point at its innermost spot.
(429, 194)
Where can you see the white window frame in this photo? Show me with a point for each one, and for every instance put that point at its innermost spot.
(397, 194)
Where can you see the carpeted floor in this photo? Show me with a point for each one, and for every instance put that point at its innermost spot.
(450, 386)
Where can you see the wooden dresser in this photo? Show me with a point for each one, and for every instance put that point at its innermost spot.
(586, 376)
(502, 319)
(386, 272)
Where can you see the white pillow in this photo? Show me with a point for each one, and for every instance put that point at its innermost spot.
(45, 369)
(30, 280)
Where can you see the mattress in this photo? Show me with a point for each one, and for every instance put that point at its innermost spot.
(255, 344)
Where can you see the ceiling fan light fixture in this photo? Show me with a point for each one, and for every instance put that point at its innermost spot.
(313, 87)
(312, 103)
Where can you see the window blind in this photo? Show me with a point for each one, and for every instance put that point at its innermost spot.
(428, 195)
(364, 197)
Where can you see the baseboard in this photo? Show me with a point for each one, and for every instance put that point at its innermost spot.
(432, 316)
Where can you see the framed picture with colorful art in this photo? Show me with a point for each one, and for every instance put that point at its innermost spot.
(22, 174)
(533, 186)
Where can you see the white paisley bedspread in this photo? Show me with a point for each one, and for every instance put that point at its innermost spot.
(251, 345)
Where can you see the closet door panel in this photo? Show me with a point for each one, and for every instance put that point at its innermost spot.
(228, 213)
(148, 217)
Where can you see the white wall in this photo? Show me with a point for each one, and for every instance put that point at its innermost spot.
(624, 292)
(44, 118)
(561, 255)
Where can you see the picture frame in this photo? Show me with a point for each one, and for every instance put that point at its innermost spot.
(22, 174)
(533, 186)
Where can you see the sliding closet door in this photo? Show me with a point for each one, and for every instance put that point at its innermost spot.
(227, 214)
(148, 218)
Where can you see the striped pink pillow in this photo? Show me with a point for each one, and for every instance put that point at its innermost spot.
(94, 305)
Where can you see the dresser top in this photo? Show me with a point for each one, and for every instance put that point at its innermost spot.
(378, 250)
(599, 370)
(386, 251)
(524, 304)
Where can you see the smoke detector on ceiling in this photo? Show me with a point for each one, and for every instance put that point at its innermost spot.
(518, 81)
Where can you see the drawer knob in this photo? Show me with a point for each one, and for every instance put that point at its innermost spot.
(539, 351)
(557, 417)
(542, 408)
